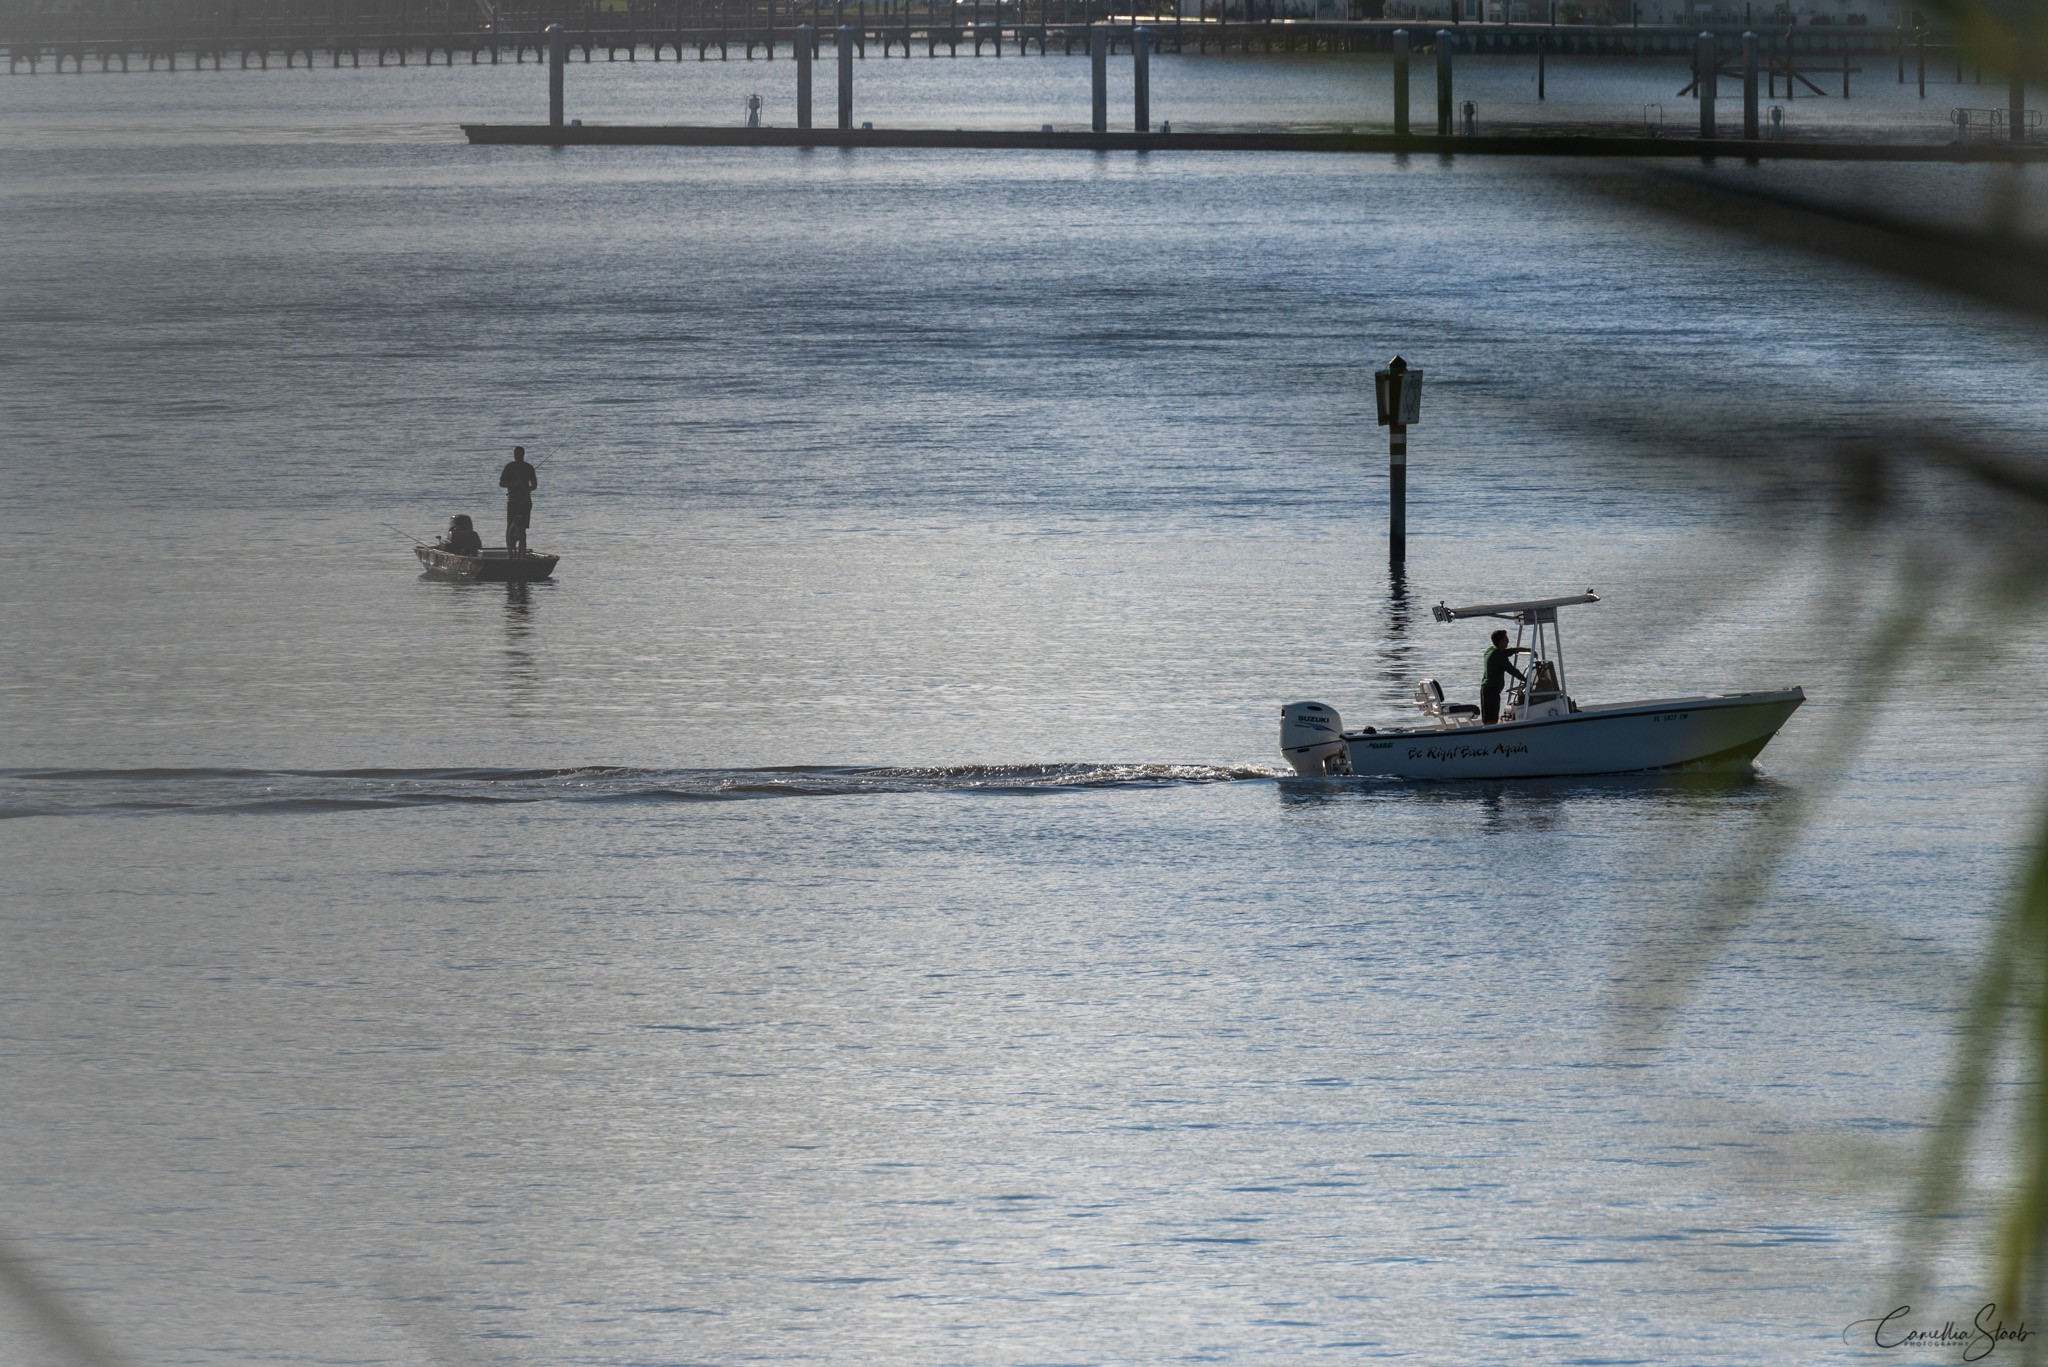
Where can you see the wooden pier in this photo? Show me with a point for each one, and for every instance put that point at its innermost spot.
(747, 29)
(1708, 62)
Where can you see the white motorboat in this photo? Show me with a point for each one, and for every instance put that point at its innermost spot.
(1542, 732)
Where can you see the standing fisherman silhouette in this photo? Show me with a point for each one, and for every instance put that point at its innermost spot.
(518, 480)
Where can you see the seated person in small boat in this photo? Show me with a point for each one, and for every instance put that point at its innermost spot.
(1499, 664)
(462, 538)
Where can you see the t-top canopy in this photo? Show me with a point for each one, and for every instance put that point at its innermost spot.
(1529, 610)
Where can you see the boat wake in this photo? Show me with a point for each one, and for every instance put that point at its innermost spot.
(103, 792)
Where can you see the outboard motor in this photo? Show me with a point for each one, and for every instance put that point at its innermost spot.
(1312, 739)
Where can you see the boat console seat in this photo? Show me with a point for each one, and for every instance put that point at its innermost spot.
(1429, 696)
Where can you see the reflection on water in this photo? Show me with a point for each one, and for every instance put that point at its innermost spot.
(1701, 793)
(522, 671)
(518, 656)
(1396, 651)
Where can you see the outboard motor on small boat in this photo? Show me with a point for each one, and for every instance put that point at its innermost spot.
(1312, 739)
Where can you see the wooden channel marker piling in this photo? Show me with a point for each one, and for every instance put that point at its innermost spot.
(1401, 83)
(846, 76)
(558, 57)
(1098, 78)
(1141, 79)
(1709, 82)
(804, 36)
(1443, 83)
(1749, 86)
(1399, 391)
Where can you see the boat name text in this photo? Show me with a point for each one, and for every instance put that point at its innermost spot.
(1450, 752)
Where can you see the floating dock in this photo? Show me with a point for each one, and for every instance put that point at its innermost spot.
(1079, 140)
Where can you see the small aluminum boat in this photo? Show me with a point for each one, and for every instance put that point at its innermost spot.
(1542, 732)
(493, 566)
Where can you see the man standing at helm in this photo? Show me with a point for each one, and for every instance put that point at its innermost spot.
(1499, 664)
(518, 480)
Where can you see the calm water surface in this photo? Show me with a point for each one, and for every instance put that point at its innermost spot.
(854, 914)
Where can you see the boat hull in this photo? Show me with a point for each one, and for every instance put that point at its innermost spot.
(492, 567)
(1724, 732)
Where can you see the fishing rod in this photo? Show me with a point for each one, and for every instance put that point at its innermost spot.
(403, 532)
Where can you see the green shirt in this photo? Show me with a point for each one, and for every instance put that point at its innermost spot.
(1498, 666)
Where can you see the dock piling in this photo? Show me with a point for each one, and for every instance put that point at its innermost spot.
(1141, 78)
(558, 57)
(1710, 63)
(1443, 83)
(1098, 77)
(1401, 83)
(846, 76)
(803, 75)
(1749, 129)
